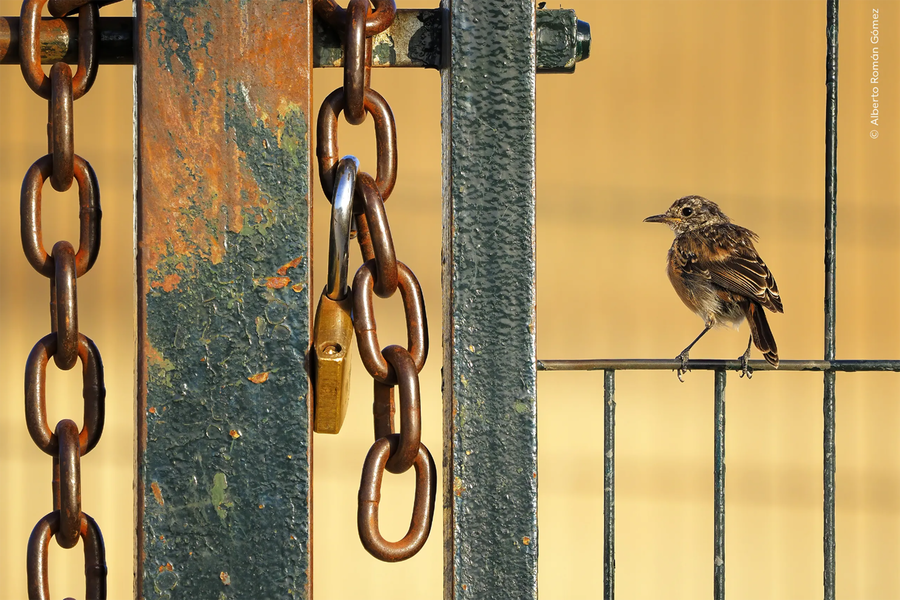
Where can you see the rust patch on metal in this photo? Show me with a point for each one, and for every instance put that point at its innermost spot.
(157, 493)
(210, 198)
(259, 377)
(169, 282)
(291, 265)
(223, 174)
(276, 283)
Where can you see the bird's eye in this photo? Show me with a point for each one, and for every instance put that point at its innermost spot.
(686, 211)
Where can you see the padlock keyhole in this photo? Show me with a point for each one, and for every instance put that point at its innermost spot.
(332, 348)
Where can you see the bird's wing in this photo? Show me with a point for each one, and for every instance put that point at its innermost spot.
(731, 262)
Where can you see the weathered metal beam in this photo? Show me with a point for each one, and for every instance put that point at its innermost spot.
(223, 219)
(59, 40)
(414, 40)
(490, 404)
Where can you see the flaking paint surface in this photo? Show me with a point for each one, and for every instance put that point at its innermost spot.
(223, 145)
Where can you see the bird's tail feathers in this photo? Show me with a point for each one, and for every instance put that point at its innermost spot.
(762, 335)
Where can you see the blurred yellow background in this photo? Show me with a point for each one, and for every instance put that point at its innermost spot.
(722, 99)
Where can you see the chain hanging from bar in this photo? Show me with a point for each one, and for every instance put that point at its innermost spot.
(381, 274)
(65, 343)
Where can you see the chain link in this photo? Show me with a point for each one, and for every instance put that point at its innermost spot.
(30, 49)
(94, 557)
(381, 274)
(385, 140)
(377, 21)
(374, 235)
(60, 133)
(370, 497)
(63, 266)
(367, 331)
(88, 216)
(357, 58)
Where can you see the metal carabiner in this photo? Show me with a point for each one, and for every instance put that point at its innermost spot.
(341, 220)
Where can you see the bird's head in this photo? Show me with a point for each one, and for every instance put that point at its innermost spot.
(689, 213)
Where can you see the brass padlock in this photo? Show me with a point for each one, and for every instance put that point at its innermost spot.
(333, 328)
(333, 339)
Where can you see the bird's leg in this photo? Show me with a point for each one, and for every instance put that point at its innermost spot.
(684, 353)
(745, 366)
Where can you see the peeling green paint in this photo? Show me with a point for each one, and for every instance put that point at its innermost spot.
(217, 494)
(169, 31)
(211, 317)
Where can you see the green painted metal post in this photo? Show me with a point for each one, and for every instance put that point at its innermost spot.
(490, 430)
(223, 174)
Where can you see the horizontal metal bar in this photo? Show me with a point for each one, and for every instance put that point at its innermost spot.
(59, 40)
(662, 364)
(414, 40)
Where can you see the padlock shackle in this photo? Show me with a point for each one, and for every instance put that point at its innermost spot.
(341, 219)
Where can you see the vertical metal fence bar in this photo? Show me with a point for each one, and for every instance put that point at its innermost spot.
(223, 450)
(828, 404)
(829, 499)
(719, 488)
(609, 485)
(490, 370)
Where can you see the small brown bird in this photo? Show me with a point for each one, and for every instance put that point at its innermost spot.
(717, 273)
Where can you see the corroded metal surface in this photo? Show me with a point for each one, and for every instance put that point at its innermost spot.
(490, 408)
(415, 39)
(59, 40)
(562, 41)
(223, 499)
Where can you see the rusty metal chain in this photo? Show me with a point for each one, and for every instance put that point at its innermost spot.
(63, 266)
(381, 274)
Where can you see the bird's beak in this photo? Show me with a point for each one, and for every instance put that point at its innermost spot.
(657, 219)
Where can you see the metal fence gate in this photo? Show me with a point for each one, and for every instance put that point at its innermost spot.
(829, 366)
(223, 279)
(225, 220)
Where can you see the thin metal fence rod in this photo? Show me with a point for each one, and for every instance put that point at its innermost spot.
(609, 485)
(662, 364)
(828, 402)
(719, 488)
(828, 484)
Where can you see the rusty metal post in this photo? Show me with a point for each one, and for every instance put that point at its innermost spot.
(223, 220)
